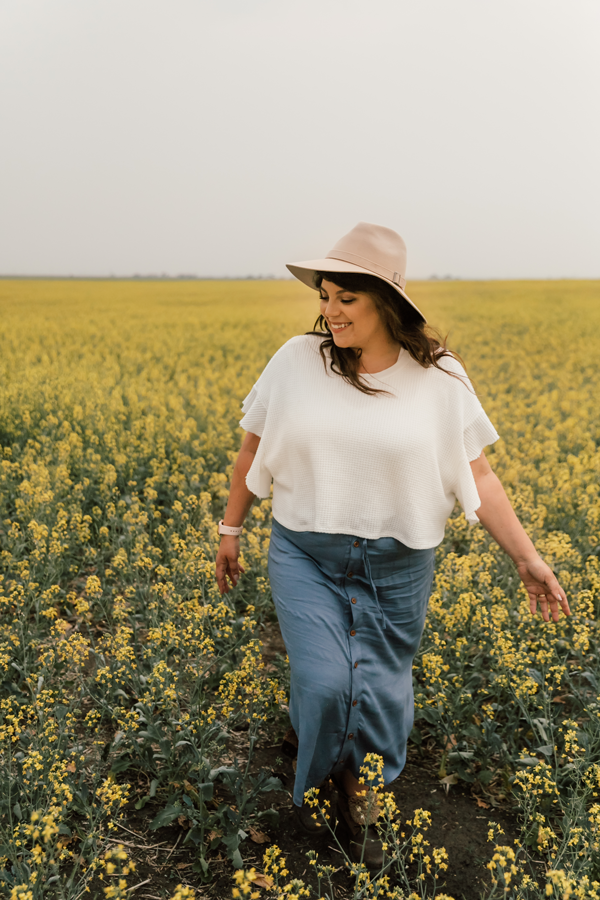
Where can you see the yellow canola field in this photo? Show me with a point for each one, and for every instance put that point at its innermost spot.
(124, 672)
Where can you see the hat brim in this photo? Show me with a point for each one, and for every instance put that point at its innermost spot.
(305, 272)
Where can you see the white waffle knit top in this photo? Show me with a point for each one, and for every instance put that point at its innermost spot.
(344, 462)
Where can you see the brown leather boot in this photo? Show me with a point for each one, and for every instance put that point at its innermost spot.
(309, 818)
(359, 814)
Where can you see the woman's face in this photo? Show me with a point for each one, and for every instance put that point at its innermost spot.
(352, 317)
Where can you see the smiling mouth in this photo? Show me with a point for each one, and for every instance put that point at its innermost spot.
(340, 326)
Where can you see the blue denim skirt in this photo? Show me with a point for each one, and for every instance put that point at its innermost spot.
(351, 613)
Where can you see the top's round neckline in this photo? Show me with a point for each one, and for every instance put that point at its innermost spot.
(402, 358)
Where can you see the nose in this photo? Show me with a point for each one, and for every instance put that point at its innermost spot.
(330, 309)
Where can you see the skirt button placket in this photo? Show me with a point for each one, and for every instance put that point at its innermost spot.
(353, 566)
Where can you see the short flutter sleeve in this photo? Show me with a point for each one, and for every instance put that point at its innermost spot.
(255, 413)
(479, 434)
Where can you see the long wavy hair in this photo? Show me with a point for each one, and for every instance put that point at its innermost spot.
(403, 322)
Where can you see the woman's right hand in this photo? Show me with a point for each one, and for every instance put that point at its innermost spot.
(238, 506)
(227, 563)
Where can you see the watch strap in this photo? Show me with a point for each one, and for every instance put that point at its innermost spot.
(230, 529)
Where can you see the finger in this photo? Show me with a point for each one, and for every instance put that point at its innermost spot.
(233, 572)
(554, 606)
(544, 607)
(532, 604)
(557, 598)
(555, 592)
(220, 577)
(562, 599)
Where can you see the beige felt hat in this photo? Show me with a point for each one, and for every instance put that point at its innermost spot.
(368, 250)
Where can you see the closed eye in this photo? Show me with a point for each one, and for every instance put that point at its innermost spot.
(345, 301)
(349, 300)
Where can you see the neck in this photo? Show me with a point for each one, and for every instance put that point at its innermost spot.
(376, 359)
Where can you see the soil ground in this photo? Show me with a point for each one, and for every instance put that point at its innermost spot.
(459, 823)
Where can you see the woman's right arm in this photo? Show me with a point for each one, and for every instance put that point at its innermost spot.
(238, 505)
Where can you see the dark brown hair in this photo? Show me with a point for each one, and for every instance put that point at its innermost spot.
(402, 321)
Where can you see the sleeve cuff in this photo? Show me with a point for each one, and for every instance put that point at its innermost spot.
(479, 434)
(255, 413)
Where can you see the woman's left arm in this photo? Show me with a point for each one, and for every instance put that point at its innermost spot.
(499, 518)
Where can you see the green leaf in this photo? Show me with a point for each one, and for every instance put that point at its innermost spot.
(206, 790)
(465, 755)
(464, 775)
(270, 816)
(153, 734)
(271, 784)
(166, 816)
(194, 835)
(121, 764)
(232, 841)
(415, 736)
(201, 866)
(222, 770)
(430, 715)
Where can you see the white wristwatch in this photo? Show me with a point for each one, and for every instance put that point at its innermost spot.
(230, 529)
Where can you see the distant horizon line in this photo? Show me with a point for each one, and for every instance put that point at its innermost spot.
(137, 277)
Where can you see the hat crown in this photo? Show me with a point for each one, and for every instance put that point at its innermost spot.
(375, 247)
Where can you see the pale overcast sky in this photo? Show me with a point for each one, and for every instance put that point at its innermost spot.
(227, 137)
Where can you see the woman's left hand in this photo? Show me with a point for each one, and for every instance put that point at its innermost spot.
(543, 588)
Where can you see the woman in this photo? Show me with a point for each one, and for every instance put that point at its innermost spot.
(369, 430)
